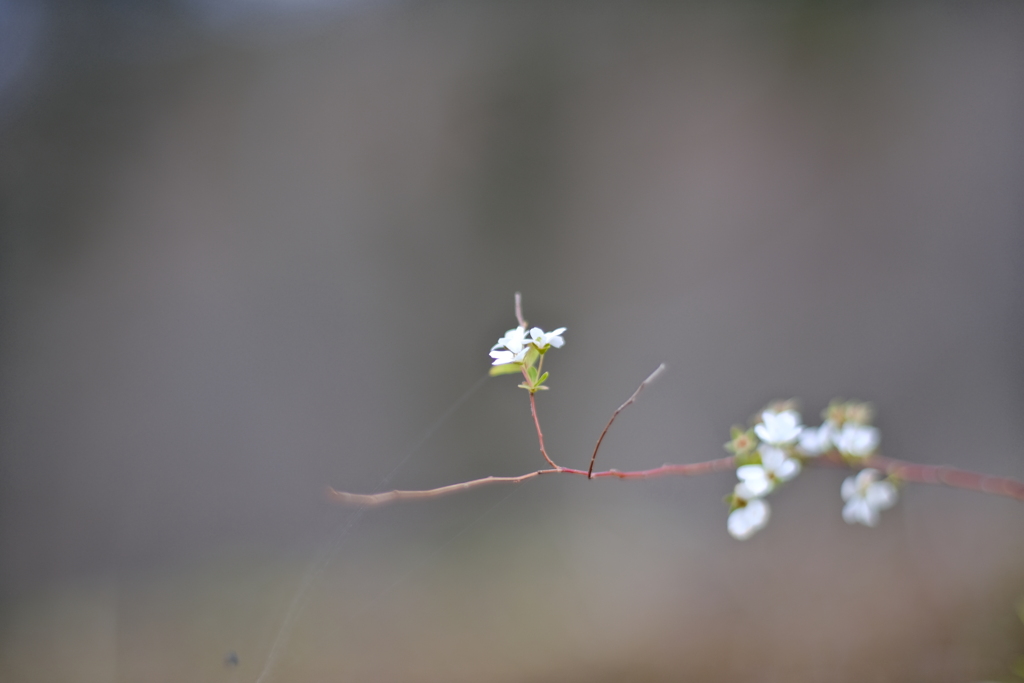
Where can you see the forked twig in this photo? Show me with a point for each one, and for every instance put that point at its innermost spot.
(371, 499)
(905, 471)
(650, 379)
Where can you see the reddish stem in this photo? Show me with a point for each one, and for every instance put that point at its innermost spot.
(691, 469)
(540, 434)
(923, 474)
(653, 376)
(687, 470)
(950, 476)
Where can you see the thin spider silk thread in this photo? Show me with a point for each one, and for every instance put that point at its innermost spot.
(439, 549)
(433, 555)
(330, 549)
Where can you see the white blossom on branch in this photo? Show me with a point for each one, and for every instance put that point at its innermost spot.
(866, 496)
(779, 428)
(512, 348)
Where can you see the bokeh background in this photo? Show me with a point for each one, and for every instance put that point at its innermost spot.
(253, 249)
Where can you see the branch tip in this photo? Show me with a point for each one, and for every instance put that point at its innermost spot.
(519, 311)
(653, 377)
(658, 372)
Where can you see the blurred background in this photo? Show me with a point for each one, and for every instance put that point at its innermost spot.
(252, 249)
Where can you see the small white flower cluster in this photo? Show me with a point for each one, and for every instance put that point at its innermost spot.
(767, 454)
(514, 346)
(846, 428)
(772, 452)
(522, 351)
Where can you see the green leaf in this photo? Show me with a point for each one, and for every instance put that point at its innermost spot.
(506, 369)
(750, 458)
(531, 356)
(531, 372)
(543, 378)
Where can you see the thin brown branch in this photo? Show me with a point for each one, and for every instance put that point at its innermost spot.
(650, 379)
(949, 476)
(390, 496)
(519, 310)
(686, 470)
(929, 474)
(540, 434)
(691, 469)
(906, 471)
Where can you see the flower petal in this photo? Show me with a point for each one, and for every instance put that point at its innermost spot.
(758, 512)
(502, 357)
(881, 495)
(739, 525)
(743, 492)
(789, 468)
(756, 479)
(857, 440)
(857, 511)
(779, 429)
(849, 488)
(816, 440)
(744, 522)
(771, 457)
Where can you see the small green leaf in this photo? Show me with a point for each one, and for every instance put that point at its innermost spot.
(531, 372)
(543, 378)
(506, 369)
(531, 356)
(748, 459)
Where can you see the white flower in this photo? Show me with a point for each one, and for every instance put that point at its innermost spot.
(865, 496)
(514, 339)
(747, 520)
(759, 480)
(778, 464)
(542, 340)
(857, 440)
(512, 348)
(817, 440)
(754, 482)
(779, 429)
